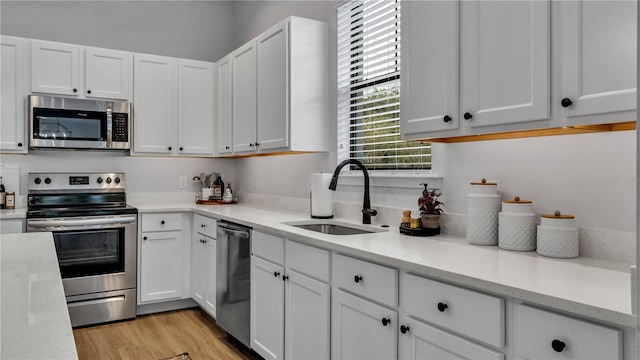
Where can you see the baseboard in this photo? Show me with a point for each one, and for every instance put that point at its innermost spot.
(165, 306)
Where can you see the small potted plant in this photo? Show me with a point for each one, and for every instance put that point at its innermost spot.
(430, 208)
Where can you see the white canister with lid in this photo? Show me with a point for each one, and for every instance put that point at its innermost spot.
(517, 225)
(558, 236)
(482, 213)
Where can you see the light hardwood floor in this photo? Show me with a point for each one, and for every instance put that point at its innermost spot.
(159, 336)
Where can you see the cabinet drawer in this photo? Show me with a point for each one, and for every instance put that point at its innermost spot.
(467, 312)
(205, 226)
(540, 334)
(376, 282)
(308, 260)
(161, 222)
(268, 247)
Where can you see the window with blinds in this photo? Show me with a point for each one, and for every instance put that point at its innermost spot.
(369, 88)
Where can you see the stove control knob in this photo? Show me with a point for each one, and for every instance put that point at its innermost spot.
(37, 181)
(117, 180)
(99, 180)
(47, 181)
(108, 180)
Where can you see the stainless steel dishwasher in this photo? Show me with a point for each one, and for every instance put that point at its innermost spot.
(233, 280)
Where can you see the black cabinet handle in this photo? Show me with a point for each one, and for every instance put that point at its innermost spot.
(284, 277)
(276, 273)
(181, 148)
(88, 91)
(162, 222)
(227, 148)
(467, 116)
(447, 118)
(19, 144)
(566, 102)
(357, 278)
(144, 238)
(558, 345)
(257, 144)
(204, 241)
(442, 307)
(386, 321)
(404, 329)
(169, 148)
(75, 90)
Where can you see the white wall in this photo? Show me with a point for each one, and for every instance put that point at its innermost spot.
(188, 29)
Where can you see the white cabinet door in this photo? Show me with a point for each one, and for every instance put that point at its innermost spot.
(421, 341)
(161, 266)
(307, 316)
(273, 88)
(267, 309)
(244, 98)
(108, 73)
(198, 269)
(224, 105)
(195, 107)
(55, 68)
(12, 226)
(358, 329)
(505, 64)
(597, 45)
(210, 285)
(154, 104)
(430, 68)
(12, 95)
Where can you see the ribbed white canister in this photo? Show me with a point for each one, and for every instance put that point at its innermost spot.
(558, 236)
(482, 213)
(517, 225)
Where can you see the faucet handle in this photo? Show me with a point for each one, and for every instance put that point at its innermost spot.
(370, 212)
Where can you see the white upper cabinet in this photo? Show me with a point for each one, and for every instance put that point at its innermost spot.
(57, 68)
(244, 98)
(429, 71)
(273, 88)
(224, 104)
(12, 95)
(108, 73)
(195, 107)
(279, 87)
(597, 44)
(505, 65)
(155, 104)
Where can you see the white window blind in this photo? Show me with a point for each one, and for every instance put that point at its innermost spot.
(369, 88)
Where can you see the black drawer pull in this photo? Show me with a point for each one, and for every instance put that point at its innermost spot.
(566, 102)
(404, 329)
(442, 307)
(284, 277)
(557, 345)
(357, 278)
(162, 222)
(386, 321)
(276, 273)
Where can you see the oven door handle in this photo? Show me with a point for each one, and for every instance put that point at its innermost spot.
(45, 223)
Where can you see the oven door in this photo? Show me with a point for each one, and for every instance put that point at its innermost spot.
(95, 254)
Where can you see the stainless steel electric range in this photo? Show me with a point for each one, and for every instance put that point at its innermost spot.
(94, 232)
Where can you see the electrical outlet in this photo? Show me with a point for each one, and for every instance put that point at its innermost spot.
(183, 182)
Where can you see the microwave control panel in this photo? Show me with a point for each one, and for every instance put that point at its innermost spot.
(120, 127)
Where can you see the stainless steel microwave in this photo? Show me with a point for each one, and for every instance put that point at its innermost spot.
(67, 123)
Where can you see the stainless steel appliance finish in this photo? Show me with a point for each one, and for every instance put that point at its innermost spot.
(94, 234)
(67, 123)
(233, 280)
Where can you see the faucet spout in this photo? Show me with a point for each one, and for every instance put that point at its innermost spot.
(367, 212)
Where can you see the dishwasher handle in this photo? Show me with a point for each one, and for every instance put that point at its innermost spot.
(242, 234)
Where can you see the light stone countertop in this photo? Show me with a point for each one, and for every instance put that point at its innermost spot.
(18, 213)
(589, 287)
(35, 319)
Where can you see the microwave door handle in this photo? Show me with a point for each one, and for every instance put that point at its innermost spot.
(109, 126)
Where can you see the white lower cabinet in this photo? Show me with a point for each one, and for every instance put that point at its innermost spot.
(361, 329)
(203, 257)
(164, 259)
(290, 304)
(418, 340)
(540, 334)
(12, 226)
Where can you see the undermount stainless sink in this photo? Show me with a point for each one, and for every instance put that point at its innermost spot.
(333, 227)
